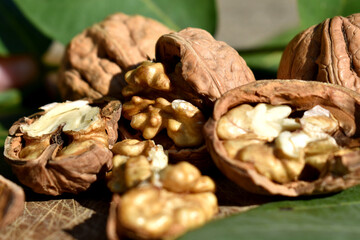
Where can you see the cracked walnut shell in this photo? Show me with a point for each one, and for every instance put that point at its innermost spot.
(96, 59)
(176, 93)
(330, 124)
(65, 148)
(327, 52)
(201, 68)
(12, 201)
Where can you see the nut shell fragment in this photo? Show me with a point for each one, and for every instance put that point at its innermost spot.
(327, 52)
(12, 201)
(96, 59)
(341, 169)
(68, 162)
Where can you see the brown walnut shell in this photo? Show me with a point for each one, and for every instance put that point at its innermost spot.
(340, 173)
(201, 68)
(96, 59)
(53, 175)
(12, 201)
(327, 52)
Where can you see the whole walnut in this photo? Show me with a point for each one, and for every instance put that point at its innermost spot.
(12, 201)
(96, 59)
(287, 137)
(327, 52)
(64, 148)
(168, 100)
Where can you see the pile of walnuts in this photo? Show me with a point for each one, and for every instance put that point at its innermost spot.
(150, 110)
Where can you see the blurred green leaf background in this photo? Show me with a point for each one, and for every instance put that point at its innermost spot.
(28, 27)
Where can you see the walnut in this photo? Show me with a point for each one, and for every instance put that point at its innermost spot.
(183, 200)
(96, 59)
(135, 162)
(182, 120)
(12, 201)
(201, 68)
(177, 91)
(327, 52)
(310, 146)
(65, 148)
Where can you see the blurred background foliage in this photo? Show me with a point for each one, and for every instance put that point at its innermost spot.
(29, 28)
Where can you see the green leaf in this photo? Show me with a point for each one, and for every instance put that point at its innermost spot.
(10, 99)
(17, 34)
(62, 20)
(328, 218)
(312, 12)
(315, 11)
(3, 50)
(264, 64)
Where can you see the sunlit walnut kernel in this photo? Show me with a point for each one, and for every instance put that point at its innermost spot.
(266, 163)
(317, 153)
(71, 116)
(158, 213)
(184, 177)
(80, 122)
(292, 142)
(147, 75)
(182, 120)
(232, 146)
(134, 162)
(264, 120)
(318, 122)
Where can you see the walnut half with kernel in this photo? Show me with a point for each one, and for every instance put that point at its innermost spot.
(287, 137)
(169, 99)
(66, 147)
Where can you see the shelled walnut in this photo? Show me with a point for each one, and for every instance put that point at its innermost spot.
(327, 52)
(160, 200)
(287, 137)
(12, 201)
(177, 91)
(96, 59)
(65, 148)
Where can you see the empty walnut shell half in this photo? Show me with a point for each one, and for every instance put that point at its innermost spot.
(340, 168)
(327, 52)
(95, 60)
(12, 201)
(65, 148)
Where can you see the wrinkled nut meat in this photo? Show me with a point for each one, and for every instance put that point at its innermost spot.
(287, 137)
(96, 59)
(169, 100)
(135, 162)
(65, 148)
(12, 201)
(182, 120)
(161, 201)
(327, 52)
